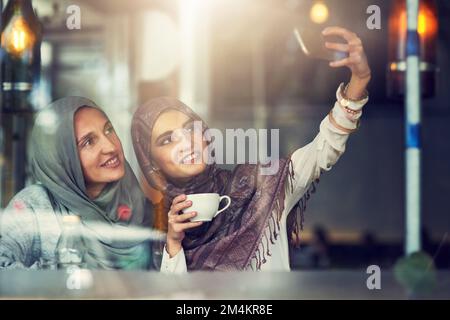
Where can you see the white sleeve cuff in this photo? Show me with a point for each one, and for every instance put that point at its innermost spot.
(354, 105)
(176, 264)
(343, 119)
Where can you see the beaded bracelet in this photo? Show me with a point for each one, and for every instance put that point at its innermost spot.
(334, 123)
(344, 101)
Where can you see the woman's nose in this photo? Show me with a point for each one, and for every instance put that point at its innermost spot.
(181, 135)
(108, 146)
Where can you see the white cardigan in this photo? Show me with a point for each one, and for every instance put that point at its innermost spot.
(308, 162)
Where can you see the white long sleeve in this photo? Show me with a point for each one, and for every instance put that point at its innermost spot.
(320, 155)
(176, 264)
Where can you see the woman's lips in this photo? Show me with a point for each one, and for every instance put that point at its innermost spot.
(191, 158)
(111, 163)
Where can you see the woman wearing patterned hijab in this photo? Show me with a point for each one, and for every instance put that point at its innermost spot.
(79, 166)
(266, 211)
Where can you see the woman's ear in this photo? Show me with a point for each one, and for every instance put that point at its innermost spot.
(154, 177)
(154, 168)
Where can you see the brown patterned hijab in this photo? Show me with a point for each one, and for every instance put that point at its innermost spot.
(241, 237)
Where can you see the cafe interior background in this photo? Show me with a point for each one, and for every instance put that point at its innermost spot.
(238, 65)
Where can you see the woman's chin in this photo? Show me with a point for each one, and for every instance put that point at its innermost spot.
(116, 175)
(191, 170)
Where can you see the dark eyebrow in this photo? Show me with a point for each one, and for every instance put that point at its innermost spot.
(107, 124)
(169, 132)
(163, 136)
(83, 138)
(89, 134)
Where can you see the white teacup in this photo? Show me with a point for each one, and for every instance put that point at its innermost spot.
(206, 205)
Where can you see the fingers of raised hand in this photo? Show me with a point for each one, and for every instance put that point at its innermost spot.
(354, 58)
(338, 31)
(337, 46)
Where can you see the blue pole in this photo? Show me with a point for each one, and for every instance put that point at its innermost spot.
(412, 126)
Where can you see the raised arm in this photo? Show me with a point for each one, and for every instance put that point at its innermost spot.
(324, 151)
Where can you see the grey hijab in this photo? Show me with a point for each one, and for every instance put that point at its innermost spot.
(56, 165)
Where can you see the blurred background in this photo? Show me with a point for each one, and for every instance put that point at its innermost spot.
(237, 63)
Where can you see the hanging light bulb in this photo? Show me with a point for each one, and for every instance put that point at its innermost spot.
(18, 37)
(21, 37)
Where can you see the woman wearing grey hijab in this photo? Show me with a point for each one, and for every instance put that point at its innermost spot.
(79, 167)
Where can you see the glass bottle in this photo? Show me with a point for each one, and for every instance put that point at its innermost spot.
(70, 250)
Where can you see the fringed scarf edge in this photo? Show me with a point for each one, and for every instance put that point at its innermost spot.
(272, 230)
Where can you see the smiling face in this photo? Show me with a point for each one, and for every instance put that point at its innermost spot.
(177, 146)
(99, 149)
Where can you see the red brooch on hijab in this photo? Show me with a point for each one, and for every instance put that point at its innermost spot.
(124, 212)
(19, 206)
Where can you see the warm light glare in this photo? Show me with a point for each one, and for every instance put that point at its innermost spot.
(19, 40)
(160, 41)
(426, 24)
(319, 12)
(18, 37)
(422, 24)
(393, 66)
